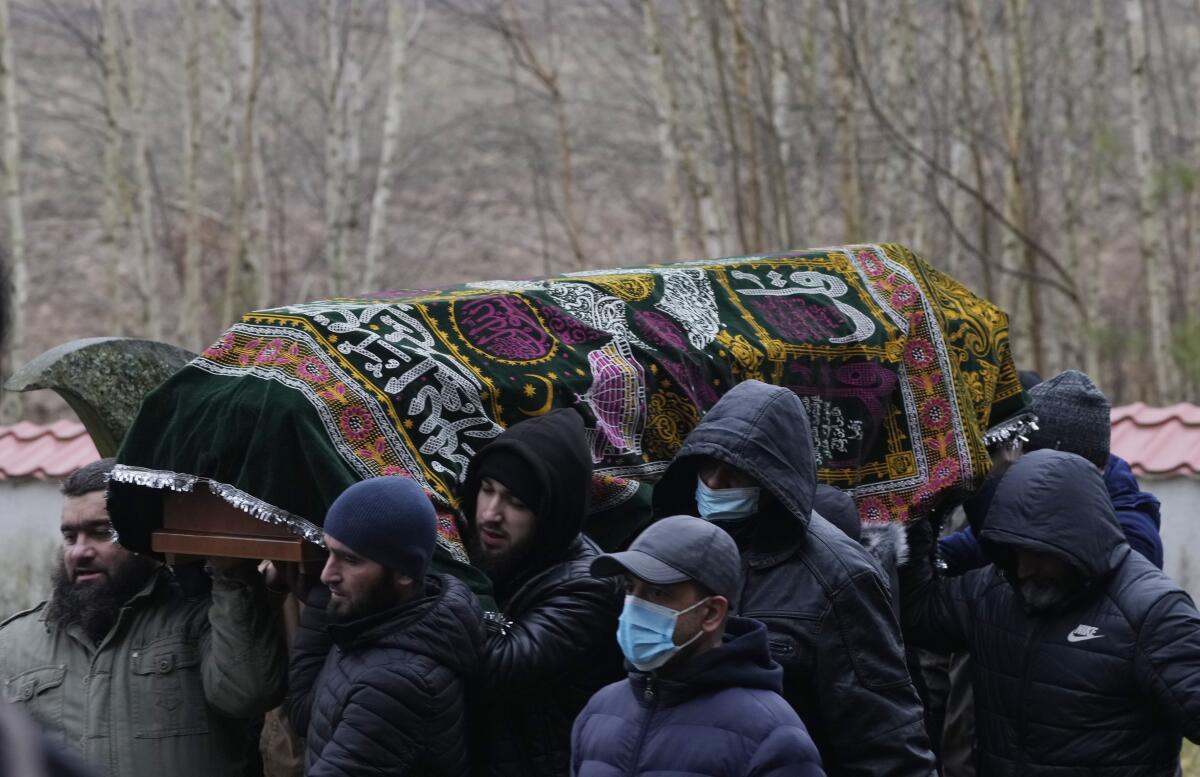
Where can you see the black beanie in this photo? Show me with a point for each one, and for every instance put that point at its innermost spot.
(388, 520)
(511, 470)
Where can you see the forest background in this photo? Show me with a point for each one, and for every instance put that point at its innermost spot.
(169, 164)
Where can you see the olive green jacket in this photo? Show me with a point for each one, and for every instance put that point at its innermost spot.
(163, 692)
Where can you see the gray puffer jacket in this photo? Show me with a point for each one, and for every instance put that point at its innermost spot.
(1104, 684)
(822, 597)
(384, 694)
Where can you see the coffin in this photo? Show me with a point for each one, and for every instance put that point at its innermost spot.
(906, 375)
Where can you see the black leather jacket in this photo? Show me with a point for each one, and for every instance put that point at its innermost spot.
(822, 597)
(560, 644)
(559, 649)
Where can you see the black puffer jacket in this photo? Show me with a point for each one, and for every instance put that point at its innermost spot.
(384, 694)
(1103, 685)
(822, 597)
(560, 646)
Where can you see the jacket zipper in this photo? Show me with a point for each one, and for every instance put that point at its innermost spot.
(650, 696)
(1022, 730)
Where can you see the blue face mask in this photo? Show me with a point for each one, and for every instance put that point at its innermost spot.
(726, 504)
(646, 632)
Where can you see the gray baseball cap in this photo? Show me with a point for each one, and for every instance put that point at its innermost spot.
(676, 550)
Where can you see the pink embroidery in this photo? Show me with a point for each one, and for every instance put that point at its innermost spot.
(311, 369)
(356, 422)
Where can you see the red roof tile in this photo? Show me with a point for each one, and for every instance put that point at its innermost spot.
(1158, 440)
(40, 452)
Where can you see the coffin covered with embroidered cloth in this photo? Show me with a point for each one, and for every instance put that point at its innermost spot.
(906, 376)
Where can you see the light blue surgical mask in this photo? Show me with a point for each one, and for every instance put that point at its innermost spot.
(646, 632)
(726, 504)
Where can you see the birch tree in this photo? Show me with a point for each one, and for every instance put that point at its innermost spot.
(710, 209)
(149, 260)
(747, 131)
(339, 88)
(188, 332)
(780, 122)
(847, 127)
(116, 213)
(1161, 368)
(14, 282)
(979, 179)
(666, 106)
(1091, 272)
(1015, 252)
(398, 41)
(243, 269)
(547, 74)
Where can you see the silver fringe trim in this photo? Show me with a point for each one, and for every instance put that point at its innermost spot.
(153, 478)
(1011, 433)
(177, 481)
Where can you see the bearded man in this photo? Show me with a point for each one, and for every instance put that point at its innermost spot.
(525, 498)
(382, 656)
(124, 667)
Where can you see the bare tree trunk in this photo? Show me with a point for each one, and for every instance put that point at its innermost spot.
(1090, 269)
(1193, 290)
(189, 332)
(1164, 385)
(527, 58)
(731, 131)
(14, 296)
(667, 107)
(974, 147)
(901, 80)
(847, 131)
(115, 214)
(351, 143)
(709, 206)
(243, 282)
(1015, 252)
(335, 167)
(260, 242)
(1074, 321)
(808, 183)
(398, 40)
(747, 114)
(149, 264)
(780, 124)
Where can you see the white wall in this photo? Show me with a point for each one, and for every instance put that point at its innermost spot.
(1180, 499)
(29, 541)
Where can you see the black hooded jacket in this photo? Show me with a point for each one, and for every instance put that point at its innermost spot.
(384, 694)
(823, 599)
(1104, 684)
(560, 644)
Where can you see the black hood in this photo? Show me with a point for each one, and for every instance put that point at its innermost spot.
(837, 507)
(444, 624)
(1055, 502)
(555, 448)
(742, 661)
(760, 429)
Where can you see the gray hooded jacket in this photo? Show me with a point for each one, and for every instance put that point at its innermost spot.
(822, 597)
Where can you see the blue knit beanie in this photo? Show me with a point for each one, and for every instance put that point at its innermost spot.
(389, 520)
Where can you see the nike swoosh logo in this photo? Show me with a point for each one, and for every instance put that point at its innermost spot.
(1079, 638)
